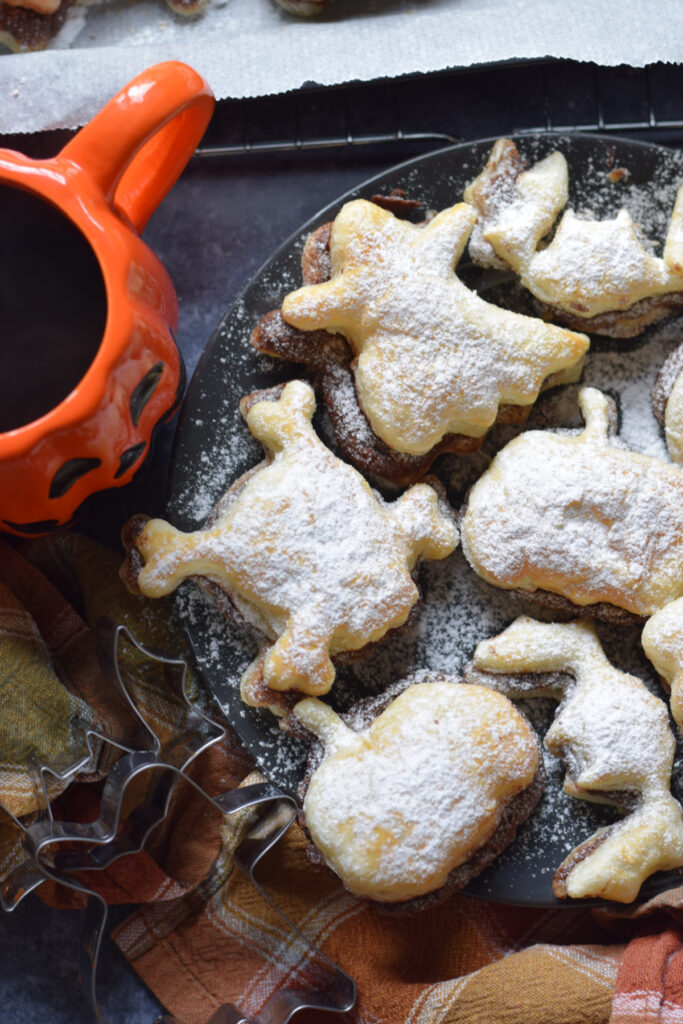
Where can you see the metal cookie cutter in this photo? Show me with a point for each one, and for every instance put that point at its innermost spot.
(58, 850)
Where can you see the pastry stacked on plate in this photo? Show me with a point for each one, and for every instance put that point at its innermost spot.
(410, 794)
(32, 24)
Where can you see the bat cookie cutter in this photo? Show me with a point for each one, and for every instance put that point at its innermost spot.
(61, 851)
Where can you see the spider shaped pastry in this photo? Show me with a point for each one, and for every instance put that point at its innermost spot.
(302, 548)
(579, 520)
(614, 738)
(433, 364)
(595, 275)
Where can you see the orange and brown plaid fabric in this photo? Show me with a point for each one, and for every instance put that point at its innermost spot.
(204, 936)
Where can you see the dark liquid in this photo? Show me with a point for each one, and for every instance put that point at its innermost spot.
(52, 307)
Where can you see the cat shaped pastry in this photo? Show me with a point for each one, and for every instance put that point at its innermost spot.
(579, 516)
(432, 362)
(614, 738)
(303, 548)
(422, 791)
(594, 275)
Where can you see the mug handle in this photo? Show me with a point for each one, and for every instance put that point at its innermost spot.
(136, 147)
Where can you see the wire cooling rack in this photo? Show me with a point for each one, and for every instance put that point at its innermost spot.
(421, 112)
(455, 106)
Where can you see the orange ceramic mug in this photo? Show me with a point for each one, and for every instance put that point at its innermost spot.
(88, 363)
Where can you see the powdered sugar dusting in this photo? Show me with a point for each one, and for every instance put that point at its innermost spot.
(458, 609)
(306, 550)
(433, 358)
(581, 517)
(590, 266)
(614, 737)
(397, 806)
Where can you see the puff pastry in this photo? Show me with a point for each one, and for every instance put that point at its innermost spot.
(614, 738)
(596, 275)
(580, 516)
(432, 358)
(418, 798)
(304, 549)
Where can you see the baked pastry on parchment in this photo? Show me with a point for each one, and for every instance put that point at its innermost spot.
(302, 549)
(31, 24)
(421, 789)
(413, 363)
(304, 8)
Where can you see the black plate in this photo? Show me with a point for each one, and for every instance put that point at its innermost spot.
(214, 447)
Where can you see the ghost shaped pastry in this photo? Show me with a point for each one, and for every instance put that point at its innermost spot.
(431, 359)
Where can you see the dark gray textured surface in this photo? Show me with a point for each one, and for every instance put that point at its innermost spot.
(38, 973)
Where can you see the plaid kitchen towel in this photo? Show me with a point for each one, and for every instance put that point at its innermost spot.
(203, 936)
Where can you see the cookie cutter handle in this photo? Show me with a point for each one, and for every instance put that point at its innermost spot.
(136, 147)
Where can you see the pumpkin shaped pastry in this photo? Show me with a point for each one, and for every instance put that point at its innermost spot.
(300, 549)
(417, 790)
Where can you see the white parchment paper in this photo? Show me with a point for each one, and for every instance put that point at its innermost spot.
(253, 48)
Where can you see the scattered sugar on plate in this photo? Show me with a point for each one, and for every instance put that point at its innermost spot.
(458, 608)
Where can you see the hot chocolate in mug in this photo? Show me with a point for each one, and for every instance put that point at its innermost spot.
(88, 362)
